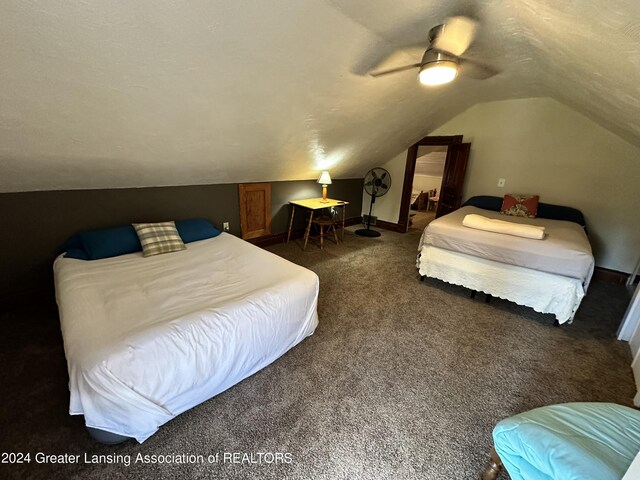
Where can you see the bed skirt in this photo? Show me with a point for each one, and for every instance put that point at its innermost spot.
(542, 291)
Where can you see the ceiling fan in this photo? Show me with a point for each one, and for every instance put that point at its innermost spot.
(443, 58)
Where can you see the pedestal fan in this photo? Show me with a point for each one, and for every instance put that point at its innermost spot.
(376, 183)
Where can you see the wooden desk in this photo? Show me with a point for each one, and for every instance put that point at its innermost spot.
(313, 204)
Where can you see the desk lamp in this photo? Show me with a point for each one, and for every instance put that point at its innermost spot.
(324, 180)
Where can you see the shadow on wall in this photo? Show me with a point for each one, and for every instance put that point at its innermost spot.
(37, 224)
(282, 192)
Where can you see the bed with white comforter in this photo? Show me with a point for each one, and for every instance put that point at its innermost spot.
(550, 275)
(148, 338)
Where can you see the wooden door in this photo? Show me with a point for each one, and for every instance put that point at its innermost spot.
(412, 154)
(455, 167)
(255, 209)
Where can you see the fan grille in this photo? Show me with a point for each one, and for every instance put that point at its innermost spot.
(377, 182)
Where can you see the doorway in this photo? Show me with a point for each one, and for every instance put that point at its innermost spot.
(427, 180)
(449, 195)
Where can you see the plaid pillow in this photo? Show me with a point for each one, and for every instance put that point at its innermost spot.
(157, 238)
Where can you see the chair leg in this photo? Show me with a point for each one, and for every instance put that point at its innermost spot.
(335, 234)
(321, 237)
(307, 231)
(493, 468)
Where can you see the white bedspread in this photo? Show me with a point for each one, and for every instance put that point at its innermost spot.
(542, 291)
(148, 338)
(565, 249)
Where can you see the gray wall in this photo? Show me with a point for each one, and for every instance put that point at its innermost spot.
(36, 224)
(281, 192)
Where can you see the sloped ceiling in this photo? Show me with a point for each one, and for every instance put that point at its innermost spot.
(123, 94)
(430, 160)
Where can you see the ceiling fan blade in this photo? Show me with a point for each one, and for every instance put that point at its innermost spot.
(456, 35)
(380, 73)
(477, 70)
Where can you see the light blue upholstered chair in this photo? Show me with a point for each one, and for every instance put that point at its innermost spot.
(571, 441)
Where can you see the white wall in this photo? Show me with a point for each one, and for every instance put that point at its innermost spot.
(632, 319)
(543, 147)
(387, 208)
(425, 183)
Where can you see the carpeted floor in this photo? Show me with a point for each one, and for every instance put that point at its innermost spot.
(419, 220)
(403, 379)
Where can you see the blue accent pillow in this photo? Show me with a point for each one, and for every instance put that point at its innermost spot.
(560, 212)
(103, 243)
(195, 229)
(74, 242)
(112, 242)
(485, 202)
(77, 253)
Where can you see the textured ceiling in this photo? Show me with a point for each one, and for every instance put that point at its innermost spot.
(119, 94)
(430, 161)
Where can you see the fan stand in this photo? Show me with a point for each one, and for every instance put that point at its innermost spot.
(367, 232)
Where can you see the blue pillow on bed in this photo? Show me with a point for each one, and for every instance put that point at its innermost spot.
(196, 229)
(103, 243)
(77, 253)
(112, 242)
(74, 249)
(485, 202)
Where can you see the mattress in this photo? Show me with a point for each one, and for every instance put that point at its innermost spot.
(565, 250)
(148, 338)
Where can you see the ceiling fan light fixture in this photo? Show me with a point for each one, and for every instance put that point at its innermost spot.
(438, 72)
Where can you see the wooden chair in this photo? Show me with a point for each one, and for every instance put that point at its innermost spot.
(414, 202)
(422, 201)
(326, 223)
(430, 203)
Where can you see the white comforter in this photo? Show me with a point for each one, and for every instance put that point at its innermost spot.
(148, 338)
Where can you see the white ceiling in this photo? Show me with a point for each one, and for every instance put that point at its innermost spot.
(430, 160)
(123, 94)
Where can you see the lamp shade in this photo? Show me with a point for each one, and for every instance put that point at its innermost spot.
(325, 179)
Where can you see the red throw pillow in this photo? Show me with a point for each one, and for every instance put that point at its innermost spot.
(520, 205)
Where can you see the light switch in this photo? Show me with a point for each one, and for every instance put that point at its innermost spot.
(501, 182)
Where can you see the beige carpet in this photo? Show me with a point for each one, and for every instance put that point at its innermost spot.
(419, 220)
(403, 379)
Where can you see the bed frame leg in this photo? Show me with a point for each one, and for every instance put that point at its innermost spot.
(493, 468)
(556, 323)
(422, 277)
(105, 437)
(487, 298)
(473, 294)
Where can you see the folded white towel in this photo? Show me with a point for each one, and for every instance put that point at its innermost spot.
(500, 226)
